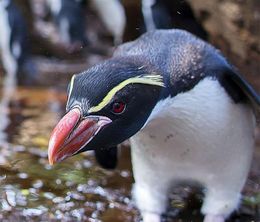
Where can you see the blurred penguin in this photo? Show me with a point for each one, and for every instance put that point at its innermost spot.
(148, 14)
(71, 21)
(113, 16)
(14, 46)
(167, 14)
(156, 15)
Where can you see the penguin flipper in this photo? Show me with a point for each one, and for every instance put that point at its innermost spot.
(107, 158)
(240, 89)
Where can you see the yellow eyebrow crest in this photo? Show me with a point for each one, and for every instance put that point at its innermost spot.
(152, 79)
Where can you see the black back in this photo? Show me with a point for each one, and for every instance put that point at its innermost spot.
(184, 60)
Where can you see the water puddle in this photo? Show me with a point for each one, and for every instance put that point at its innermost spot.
(33, 190)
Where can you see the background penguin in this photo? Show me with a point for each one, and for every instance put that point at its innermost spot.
(148, 15)
(167, 14)
(113, 16)
(71, 21)
(14, 45)
(188, 114)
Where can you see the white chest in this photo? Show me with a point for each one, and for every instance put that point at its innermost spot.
(197, 135)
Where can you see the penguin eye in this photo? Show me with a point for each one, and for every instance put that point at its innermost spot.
(118, 107)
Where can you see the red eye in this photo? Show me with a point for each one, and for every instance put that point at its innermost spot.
(118, 107)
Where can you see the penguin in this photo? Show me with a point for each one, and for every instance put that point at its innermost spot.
(156, 14)
(70, 19)
(148, 14)
(168, 14)
(14, 44)
(112, 14)
(189, 115)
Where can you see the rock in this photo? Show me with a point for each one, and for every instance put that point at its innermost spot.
(233, 27)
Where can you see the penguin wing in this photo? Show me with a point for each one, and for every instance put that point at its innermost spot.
(107, 158)
(240, 89)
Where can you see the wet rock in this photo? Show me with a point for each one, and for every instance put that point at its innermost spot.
(49, 195)
(33, 211)
(22, 175)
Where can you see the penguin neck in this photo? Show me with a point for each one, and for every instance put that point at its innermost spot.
(157, 115)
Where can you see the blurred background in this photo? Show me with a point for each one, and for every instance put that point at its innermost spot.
(42, 44)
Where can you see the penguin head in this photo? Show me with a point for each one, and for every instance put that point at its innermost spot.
(106, 105)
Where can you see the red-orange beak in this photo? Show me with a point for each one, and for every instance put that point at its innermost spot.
(72, 133)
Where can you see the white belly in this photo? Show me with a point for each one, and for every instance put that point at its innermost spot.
(200, 136)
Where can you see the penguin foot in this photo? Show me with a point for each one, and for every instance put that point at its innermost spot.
(213, 218)
(151, 217)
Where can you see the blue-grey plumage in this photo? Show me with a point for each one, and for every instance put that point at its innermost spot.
(188, 114)
(190, 60)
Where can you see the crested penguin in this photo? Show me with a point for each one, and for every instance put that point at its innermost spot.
(188, 113)
(70, 19)
(112, 14)
(14, 44)
(168, 14)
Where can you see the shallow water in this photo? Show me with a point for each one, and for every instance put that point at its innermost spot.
(77, 189)
(74, 190)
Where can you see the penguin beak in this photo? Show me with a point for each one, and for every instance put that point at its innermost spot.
(72, 133)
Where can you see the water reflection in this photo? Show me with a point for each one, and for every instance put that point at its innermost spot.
(9, 86)
(31, 188)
